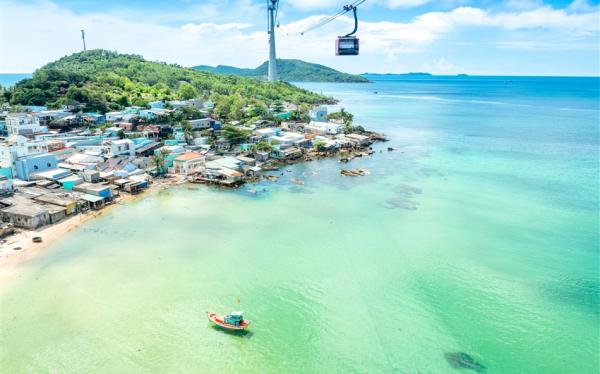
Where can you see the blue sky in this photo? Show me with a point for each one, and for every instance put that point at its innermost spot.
(511, 37)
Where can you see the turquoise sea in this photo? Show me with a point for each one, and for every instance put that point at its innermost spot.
(473, 247)
(7, 79)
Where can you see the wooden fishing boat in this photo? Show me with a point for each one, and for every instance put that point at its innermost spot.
(232, 321)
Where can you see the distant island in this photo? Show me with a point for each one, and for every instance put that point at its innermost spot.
(402, 74)
(411, 74)
(289, 71)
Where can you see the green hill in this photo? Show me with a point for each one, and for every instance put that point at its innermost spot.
(289, 71)
(99, 80)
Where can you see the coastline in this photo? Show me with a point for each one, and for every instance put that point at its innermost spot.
(11, 259)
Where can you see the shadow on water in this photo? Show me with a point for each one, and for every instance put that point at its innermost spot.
(238, 333)
(404, 199)
(462, 360)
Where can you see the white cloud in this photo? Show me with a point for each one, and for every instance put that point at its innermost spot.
(406, 3)
(36, 33)
(306, 5)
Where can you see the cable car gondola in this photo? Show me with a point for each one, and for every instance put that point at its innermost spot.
(348, 45)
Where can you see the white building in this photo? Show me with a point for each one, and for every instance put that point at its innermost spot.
(23, 123)
(188, 163)
(17, 146)
(289, 138)
(323, 128)
(120, 147)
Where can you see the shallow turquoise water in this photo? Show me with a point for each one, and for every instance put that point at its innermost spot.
(478, 236)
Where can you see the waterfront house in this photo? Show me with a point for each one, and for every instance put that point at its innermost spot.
(225, 162)
(247, 160)
(62, 199)
(291, 153)
(323, 128)
(95, 189)
(261, 156)
(251, 171)
(27, 215)
(188, 163)
(360, 140)
(286, 139)
(22, 211)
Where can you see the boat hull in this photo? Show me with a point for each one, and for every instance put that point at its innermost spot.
(218, 320)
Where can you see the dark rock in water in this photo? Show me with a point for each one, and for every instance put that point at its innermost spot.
(400, 203)
(462, 360)
(404, 189)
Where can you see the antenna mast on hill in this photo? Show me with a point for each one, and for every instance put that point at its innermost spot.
(272, 6)
(83, 38)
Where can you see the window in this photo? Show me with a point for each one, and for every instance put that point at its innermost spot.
(48, 164)
(35, 167)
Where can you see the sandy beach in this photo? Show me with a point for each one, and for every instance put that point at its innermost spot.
(20, 248)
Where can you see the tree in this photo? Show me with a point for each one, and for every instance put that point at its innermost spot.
(278, 107)
(320, 145)
(187, 131)
(187, 91)
(234, 134)
(263, 145)
(121, 134)
(159, 159)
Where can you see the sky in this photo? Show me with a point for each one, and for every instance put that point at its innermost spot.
(479, 37)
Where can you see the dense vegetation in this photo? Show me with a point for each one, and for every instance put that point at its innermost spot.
(99, 80)
(289, 71)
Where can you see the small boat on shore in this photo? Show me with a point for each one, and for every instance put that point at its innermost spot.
(232, 321)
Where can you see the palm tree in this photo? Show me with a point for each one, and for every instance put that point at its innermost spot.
(187, 131)
(159, 158)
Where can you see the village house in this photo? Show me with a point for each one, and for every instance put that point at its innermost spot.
(323, 128)
(23, 124)
(25, 212)
(318, 114)
(45, 117)
(35, 164)
(114, 116)
(15, 147)
(120, 147)
(360, 140)
(188, 163)
(291, 153)
(7, 186)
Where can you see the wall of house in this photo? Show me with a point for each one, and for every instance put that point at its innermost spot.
(27, 166)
